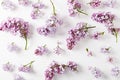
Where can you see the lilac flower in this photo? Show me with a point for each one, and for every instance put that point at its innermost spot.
(13, 47)
(95, 3)
(41, 50)
(51, 26)
(89, 52)
(16, 26)
(8, 67)
(115, 71)
(26, 68)
(57, 68)
(36, 12)
(74, 7)
(18, 77)
(96, 72)
(114, 31)
(24, 2)
(72, 66)
(76, 34)
(49, 74)
(104, 17)
(58, 50)
(110, 59)
(105, 50)
(97, 35)
(7, 4)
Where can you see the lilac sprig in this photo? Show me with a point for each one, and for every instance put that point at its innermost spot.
(8, 67)
(7, 4)
(115, 32)
(26, 67)
(37, 7)
(97, 35)
(104, 18)
(76, 34)
(75, 7)
(16, 26)
(41, 50)
(50, 27)
(18, 77)
(115, 71)
(56, 68)
(106, 50)
(95, 72)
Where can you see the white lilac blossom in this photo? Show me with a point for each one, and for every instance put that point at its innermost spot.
(26, 68)
(89, 53)
(110, 3)
(41, 50)
(95, 72)
(115, 32)
(104, 18)
(13, 47)
(24, 2)
(95, 3)
(115, 71)
(16, 26)
(106, 50)
(110, 59)
(7, 4)
(50, 27)
(74, 7)
(8, 67)
(18, 77)
(36, 11)
(97, 35)
(58, 50)
(56, 68)
(76, 34)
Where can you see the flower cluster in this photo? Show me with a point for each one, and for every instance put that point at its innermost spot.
(96, 72)
(13, 47)
(74, 7)
(7, 4)
(26, 68)
(51, 26)
(36, 12)
(41, 50)
(18, 77)
(16, 26)
(104, 17)
(76, 34)
(24, 2)
(95, 3)
(114, 31)
(8, 67)
(56, 68)
(115, 71)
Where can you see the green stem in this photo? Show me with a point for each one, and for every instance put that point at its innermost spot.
(26, 43)
(116, 35)
(29, 63)
(54, 13)
(90, 27)
(80, 11)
